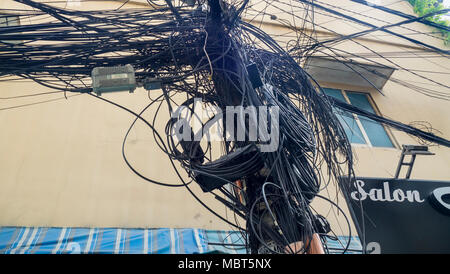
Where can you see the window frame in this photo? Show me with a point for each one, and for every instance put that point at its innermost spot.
(7, 24)
(344, 90)
(8, 21)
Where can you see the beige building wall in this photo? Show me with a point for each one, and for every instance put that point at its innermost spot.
(61, 162)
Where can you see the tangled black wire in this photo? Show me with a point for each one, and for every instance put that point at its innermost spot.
(212, 55)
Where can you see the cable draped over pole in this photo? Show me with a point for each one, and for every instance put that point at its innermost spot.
(216, 57)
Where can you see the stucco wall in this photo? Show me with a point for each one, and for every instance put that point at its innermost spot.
(61, 163)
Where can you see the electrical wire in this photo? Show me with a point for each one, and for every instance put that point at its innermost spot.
(213, 54)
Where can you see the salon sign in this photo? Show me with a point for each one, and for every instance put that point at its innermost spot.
(399, 215)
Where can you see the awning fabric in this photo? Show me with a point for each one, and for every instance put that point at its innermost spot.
(52, 240)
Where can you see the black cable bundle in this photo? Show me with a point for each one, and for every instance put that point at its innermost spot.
(242, 162)
(218, 58)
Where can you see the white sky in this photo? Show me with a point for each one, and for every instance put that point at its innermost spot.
(447, 5)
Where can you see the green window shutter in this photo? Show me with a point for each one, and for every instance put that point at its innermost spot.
(375, 131)
(346, 119)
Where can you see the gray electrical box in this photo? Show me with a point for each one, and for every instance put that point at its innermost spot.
(113, 79)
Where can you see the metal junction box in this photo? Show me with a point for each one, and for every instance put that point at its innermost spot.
(113, 79)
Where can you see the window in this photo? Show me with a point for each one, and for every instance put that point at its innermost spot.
(359, 130)
(10, 21)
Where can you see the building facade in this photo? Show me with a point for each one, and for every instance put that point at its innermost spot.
(61, 162)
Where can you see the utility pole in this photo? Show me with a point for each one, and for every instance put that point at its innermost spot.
(219, 47)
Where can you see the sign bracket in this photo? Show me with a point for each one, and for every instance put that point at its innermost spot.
(412, 150)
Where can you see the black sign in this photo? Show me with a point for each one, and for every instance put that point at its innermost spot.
(400, 216)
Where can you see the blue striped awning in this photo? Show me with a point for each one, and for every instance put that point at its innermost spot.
(52, 240)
